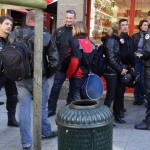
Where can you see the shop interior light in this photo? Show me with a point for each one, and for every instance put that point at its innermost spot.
(5, 11)
(104, 13)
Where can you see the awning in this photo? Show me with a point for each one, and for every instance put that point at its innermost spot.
(51, 7)
(20, 10)
(26, 3)
(50, 1)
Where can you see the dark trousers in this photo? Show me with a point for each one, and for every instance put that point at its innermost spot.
(75, 89)
(119, 97)
(53, 97)
(111, 84)
(11, 93)
(147, 85)
(139, 90)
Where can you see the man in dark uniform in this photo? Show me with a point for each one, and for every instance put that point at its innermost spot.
(127, 58)
(145, 56)
(6, 23)
(62, 38)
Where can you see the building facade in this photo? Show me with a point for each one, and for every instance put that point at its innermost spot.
(77, 6)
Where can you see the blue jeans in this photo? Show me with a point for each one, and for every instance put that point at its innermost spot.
(25, 99)
(139, 91)
(75, 89)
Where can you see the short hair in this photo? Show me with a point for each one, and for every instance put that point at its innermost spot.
(71, 12)
(114, 29)
(148, 13)
(141, 23)
(3, 18)
(31, 14)
(80, 28)
(122, 20)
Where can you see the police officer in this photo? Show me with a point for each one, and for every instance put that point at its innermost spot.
(127, 59)
(145, 56)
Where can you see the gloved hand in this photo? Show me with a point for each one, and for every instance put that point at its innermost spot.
(138, 54)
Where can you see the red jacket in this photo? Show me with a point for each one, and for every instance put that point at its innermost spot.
(82, 51)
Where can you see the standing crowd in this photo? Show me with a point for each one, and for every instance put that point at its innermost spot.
(69, 54)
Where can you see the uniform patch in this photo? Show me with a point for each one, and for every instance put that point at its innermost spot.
(147, 36)
(122, 41)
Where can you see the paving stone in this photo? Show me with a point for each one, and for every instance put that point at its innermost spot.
(138, 144)
(125, 137)
(7, 136)
(138, 134)
(118, 145)
(121, 134)
(1, 145)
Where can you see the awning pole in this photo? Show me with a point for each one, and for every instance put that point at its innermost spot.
(38, 55)
(132, 15)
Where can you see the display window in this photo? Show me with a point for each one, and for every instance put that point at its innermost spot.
(104, 12)
(3, 12)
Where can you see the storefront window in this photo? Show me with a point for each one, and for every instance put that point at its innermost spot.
(104, 12)
(141, 9)
(3, 12)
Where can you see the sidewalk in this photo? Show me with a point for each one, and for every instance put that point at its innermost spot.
(125, 137)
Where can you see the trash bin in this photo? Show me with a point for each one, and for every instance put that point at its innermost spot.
(84, 125)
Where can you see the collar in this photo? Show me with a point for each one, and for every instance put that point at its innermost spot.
(116, 37)
(142, 32)
(30, 27)
(68, 28)
(81, 37)
(124, 35)
(4, 38)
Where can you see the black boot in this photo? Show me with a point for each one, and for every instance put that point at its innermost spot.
(114, 125)
(121, 114)
(1, 103)
(11, 108)
(51, 113)
(142, 126)
(12, 122)
(118, 119)
(145, 125)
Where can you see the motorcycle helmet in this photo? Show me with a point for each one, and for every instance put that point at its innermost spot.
(131, 78)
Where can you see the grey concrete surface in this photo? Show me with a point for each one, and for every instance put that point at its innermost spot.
(125, 137)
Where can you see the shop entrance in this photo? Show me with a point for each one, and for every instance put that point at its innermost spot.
(104, 12)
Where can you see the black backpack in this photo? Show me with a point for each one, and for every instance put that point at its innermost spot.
(99, 63)
(17, 59)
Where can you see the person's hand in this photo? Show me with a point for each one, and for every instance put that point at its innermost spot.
(124, 71)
